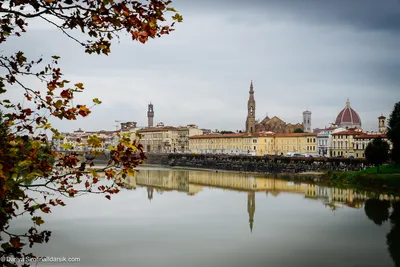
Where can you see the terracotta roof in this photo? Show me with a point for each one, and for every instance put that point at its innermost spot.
(347, 116)
(295, 134)
(158, 129)
(348, 132)
(234, 135)
(370, 136)
(381, 117)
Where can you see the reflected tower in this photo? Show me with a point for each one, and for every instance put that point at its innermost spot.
(150, 191)
(251, 208)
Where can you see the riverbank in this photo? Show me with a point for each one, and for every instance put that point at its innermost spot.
(387, 180)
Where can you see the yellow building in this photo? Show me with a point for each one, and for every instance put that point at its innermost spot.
(257, 144)
(302, 143)
(235, 144)
(343, 143)
(266, 144)
(361, 141)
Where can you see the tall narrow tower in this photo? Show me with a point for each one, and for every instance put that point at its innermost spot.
(382, 124)
(307, 121)
(251, 112)
(150, 115)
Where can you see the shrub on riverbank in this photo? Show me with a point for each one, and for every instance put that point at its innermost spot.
(388, 178)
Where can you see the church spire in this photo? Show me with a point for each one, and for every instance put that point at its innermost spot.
(251, 111)
(348, 103)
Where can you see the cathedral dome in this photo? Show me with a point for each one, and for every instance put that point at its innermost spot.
(348, 117)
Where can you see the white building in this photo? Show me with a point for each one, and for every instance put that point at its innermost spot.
(324, 140)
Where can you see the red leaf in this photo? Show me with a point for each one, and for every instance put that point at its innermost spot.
(108, 197)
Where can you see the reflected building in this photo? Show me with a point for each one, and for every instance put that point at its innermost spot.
(192, 182)
(243, 182)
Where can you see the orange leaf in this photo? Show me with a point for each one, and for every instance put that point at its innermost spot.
(83, 111)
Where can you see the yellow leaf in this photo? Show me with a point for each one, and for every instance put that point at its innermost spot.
(24, 164)
(94, 141)
(79, 85)
(67, 146)
(35, 144)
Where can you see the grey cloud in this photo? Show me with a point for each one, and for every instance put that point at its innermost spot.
(362, 14)
(300, 54)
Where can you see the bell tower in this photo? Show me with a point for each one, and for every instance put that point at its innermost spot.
(382, 124)
(150, 115)
(307, 121)
(251, 112)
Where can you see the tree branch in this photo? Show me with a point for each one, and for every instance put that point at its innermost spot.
(64, 31)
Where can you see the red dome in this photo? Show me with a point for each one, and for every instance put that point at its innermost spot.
(348, 117)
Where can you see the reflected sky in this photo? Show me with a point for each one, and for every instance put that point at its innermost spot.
(183, 222)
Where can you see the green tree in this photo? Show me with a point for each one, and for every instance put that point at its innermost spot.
(27, 161)
(298, 130)
(377, 152)
(393, 132)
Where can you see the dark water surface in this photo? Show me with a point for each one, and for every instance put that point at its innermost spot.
(199, 218)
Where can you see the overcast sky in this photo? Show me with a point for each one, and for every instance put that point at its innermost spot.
(309, 54)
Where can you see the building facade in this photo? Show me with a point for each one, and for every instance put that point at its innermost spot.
(361, 141)
(183, 136)
(301, 143)
(324, 140)
(343, 143)
(160, 139)
(258, 144)
(234, 144)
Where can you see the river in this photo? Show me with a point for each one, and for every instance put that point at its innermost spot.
(175, 218)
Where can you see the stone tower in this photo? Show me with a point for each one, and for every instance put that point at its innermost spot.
(150, 115)
(251, 111)
(382, 124)
(307, 121)
(251, 208)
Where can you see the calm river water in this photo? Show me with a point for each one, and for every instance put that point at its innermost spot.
(205, 218)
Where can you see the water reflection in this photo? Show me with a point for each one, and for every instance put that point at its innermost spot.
(193, 182)
(378, 211)
(197, 218)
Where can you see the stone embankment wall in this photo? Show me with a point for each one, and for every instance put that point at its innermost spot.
(269, 164)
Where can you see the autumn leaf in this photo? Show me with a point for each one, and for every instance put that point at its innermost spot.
(96, 101)
(66, 94)
(83, 111)
(79, 85)
(15, 242)
(38, 220)
(51, 87)
(108, 197)
(67, 146)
